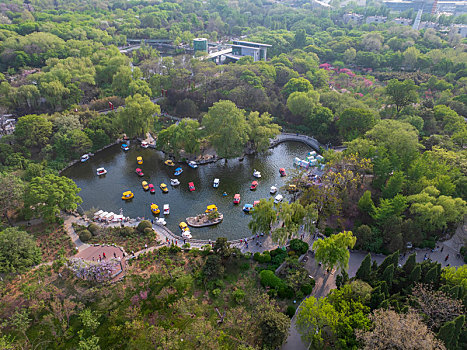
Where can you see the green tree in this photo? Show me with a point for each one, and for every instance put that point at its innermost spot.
(354, 122)
(364, 270)
(401, 93)
(365, 203)
(49, 194)
(296, 84)
(410, 264)
(394, 185)
(33, 130)
(261, 130)
(450, 332)
(303, 103)
(11, 193)
(18, 251)
(388, 275)
(262, 217)
(138, 115)
(227, 128)
(334, 250)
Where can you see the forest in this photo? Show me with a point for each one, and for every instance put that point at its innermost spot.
(388, 104)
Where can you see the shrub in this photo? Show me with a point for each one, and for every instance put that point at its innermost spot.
(85, 236)
(290, 311)
(307, 288)
(245, 266)
(174, 249)
(269, 279)
(238, 295)
(262, 258)
(186, 246)
(285, 292)
(299, 295)
(126, 231)
(93, 228)
(144, 224)
(299, 246)
(328, 231)
(216, 292)
(148, 231)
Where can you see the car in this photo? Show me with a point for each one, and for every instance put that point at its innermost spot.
(164, 188)
(191, 186)
(139, 172)
(151, 188)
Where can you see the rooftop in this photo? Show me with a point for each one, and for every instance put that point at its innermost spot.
(252, 43)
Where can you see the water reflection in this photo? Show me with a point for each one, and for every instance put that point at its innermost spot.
(235, 177)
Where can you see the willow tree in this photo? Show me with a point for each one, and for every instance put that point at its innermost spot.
(138, 115)
(227, 129)
(334, 250)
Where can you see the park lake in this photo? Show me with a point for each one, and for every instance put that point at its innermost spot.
(235, 177)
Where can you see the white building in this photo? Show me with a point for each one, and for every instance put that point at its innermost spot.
(403, 21)
(460, 29)
(376, 19)
(354, 17)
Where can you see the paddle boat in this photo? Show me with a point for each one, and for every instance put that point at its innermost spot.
(255, 203)
(273, 190)
(292, 188)
(191, 186)
(211, 208)
(139, 172)
(236, 199)
(139, 160)
(253, 186)
(282, 172)
(155, 209)
(144, 144)
(151, 188)
(169, 162)
(85, 157)
(247, 208)
(166, 209)
(192, 164)
(256, 174)
(161, 221)
(216, 183)
(185, 230)
(178, 171)
(101, 171)
(145, 185)
(278, 198)
(125, 147)
(127, 195)
(174, 182)
(164, 188)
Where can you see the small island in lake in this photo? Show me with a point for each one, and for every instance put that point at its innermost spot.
(206, 219)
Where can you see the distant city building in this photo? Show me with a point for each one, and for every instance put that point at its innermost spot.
(428, 6)
(7, 124)
(354, 17)
(376, 19)
(246, 48)
(460, 29)
(403, 21)
(426, 25)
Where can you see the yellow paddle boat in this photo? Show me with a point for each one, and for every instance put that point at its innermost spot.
(155, 209)
(183, 226)
(164, 188)
(127, 195)
(169, 162)
(139, 160)
(211, 208)
(292, 188)
(145, 185)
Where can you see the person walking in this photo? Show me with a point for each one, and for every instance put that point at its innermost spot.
(447, 257)
(146, 246)
(115, 255)
(99, 257)
(442, 248)
(103, 254)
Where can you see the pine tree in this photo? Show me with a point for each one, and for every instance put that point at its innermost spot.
(395, 258)
(450, 331)
(376, 297)
(364, 270)
(409, 264)
(431, 276)
(415, 275)
(386, 262)
(384, 288)
(454, 292)
(388, 274)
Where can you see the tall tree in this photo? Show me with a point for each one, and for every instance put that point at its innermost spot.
(334, 250)
(261, 130)
(18, 251)
(401, 93)
(262, 216)
(11, 193)
(364, 270)
(227, 128)
(354, 122)
(49, 194)
(33, 130)
(138, 116)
